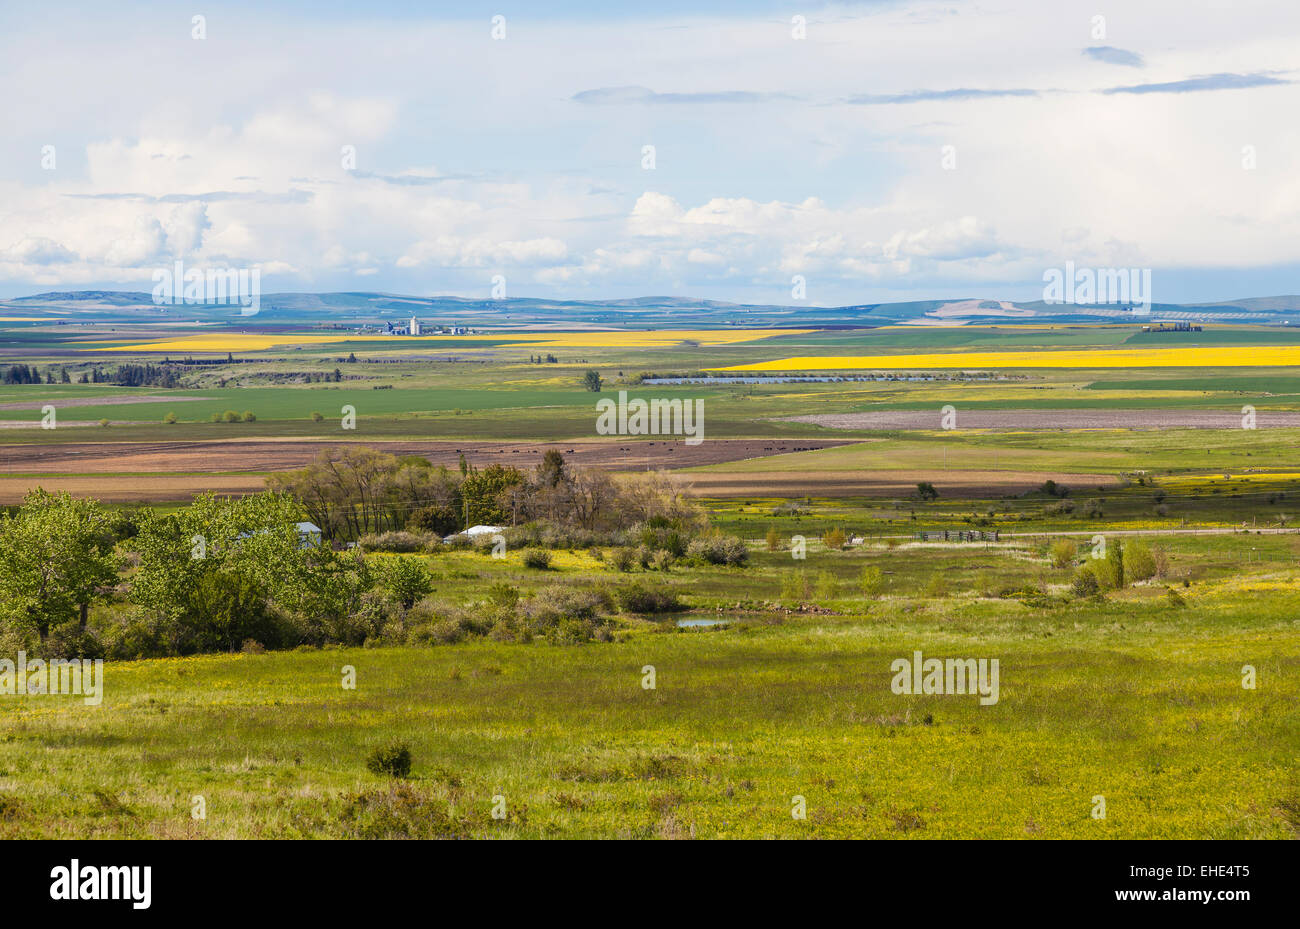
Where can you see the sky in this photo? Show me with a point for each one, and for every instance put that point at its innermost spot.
(874, 151)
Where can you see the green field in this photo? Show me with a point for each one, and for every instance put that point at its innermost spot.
(1134, 695)
(1128, 699)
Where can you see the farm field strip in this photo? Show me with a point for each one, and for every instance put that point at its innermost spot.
(631, 338)
(1183, 357)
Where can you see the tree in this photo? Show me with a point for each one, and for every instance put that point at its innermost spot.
(482, 493)
(925, 490)
(252, 540)
(170, 419)
(1115, 562)
(591, 380)
(407, 579)
(550, 471)
(56, 558)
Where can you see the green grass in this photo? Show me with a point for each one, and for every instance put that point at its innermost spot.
(1128, 698)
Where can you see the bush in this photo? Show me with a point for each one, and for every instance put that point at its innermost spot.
(827, 585)
(834, 540)
(1063, 553)
(170, 419)
(537, 559)
(316, 416)
(393, 760)
(230, 416)
(796, 586)
(250, 416)
(398, 542)
(1139, 562)
(567, 615)
(718, 550)
(1160, 555)
(871, 581)
(621, 559)
(1085, 583)
(773, 539)
(640, 598)
(407, 579)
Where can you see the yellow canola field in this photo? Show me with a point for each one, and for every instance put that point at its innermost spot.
(1224, 356)
(255, 342)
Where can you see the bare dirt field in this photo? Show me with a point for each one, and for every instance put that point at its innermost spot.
(1051, 419)
(950, 483)
(174, 470)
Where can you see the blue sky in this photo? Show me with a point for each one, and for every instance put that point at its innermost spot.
(879, 151)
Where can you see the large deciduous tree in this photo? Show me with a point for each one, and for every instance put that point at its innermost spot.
(56, 558)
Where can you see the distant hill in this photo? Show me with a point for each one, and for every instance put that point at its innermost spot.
(653, 311)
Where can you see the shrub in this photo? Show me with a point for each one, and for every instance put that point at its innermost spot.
(718, 550)
(640, 598)
(1139, 562)
(230, 416)
(170, 419)
(393, 760)
(407, 579)
(250, 416)
(834, 540)
(620, 559)
(537, 559)
(827, 585)
(1160, 555)
(1085, 583)
(796, 586)
(871, 581)
(662, 560)
(773, 539)
(396, 541)
(567, 615)
(316, 416)
(104, 422)
(1063, 553)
